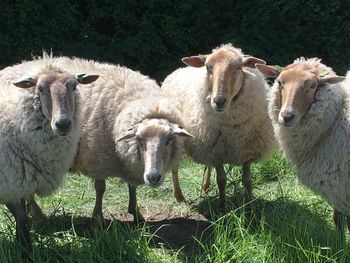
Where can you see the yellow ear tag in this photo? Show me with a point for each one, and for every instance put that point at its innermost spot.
(324, 73)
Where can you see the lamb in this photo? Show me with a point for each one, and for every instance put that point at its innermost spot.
(225, 107)
(310, 113)
(39, 132)
(131, 130)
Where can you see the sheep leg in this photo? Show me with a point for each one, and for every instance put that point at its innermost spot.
(206, 179)
(336, 218)
(177, 189)
(35, 210)
(100, 188)
(22, 223)
(221, 181)
(247, 179)
(133, 208)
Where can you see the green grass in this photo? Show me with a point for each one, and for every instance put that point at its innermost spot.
(284, 223)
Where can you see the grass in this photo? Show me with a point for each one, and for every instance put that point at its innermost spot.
(284, 223)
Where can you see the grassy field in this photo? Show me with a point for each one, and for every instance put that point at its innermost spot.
(284, 223)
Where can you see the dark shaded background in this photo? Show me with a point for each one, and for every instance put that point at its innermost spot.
(152, 35)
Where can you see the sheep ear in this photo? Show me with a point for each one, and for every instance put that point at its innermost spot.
(25, 83)
(180, 131)
(250, 62)
(331, 80)
(86, 79)
(269, 71)
(127, 134)
(195, 61)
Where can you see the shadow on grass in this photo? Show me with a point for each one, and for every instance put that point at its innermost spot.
(295, 226)
(174, 234)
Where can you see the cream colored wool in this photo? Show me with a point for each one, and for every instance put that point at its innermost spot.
(33, 159)
(118, 100)
(242, 133)
(318, 145)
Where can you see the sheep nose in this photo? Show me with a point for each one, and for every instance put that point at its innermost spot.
(154, 178)
(63, 124)
(288, 118)
(220, 102)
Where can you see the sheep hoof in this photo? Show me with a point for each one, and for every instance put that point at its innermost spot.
(248, 196)
(205, 189)
(138, 218)
(222, 208)
(180, 198)
(39, 217)
(98, 219)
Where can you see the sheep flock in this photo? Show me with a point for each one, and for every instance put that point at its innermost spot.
(61, 114)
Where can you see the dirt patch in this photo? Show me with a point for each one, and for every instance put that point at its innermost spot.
(172, 233)
(180, 233)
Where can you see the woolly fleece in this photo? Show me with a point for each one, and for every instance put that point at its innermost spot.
(33, 159)
(242, 133)
(318, 146)
(117, 101)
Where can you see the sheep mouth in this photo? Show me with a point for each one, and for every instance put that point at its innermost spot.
(61, 132)
(219, 109)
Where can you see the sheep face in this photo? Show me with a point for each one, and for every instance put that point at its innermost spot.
(297, 85)
(225, 74)
(57, 94)
(157, 144)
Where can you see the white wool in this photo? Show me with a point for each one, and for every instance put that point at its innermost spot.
(318, 145)
(117, 101)
(33, 159)
(242, 133)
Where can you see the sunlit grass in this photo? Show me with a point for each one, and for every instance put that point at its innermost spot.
(285, 222)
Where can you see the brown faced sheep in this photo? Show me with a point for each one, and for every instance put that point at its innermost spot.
(310, 113)
(224, 106)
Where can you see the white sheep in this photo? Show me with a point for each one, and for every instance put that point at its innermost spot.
(130, 130)
(39, 131)
(224, 106)
(310, 113)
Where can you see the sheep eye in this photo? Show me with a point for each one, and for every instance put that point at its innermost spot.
(40, 88)
(141, 142)
(280, 84)
(169, 140)
(209, 69)
(72, 85)
(313, 86)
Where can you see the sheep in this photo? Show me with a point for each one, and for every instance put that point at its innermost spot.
(131, 130)
(310, 113)
(39, 132)
(224, 106)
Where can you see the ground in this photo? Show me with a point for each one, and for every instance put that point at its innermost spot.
(285, 222)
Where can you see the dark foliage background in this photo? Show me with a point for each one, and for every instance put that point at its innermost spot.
(152, 35)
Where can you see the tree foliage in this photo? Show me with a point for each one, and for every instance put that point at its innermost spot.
(152, 35)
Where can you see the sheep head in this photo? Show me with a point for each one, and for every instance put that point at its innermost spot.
(57, 93)
(157, 143)
(297, 85)
(225, 73)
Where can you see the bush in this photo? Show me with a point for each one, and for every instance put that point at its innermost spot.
(152, 35)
